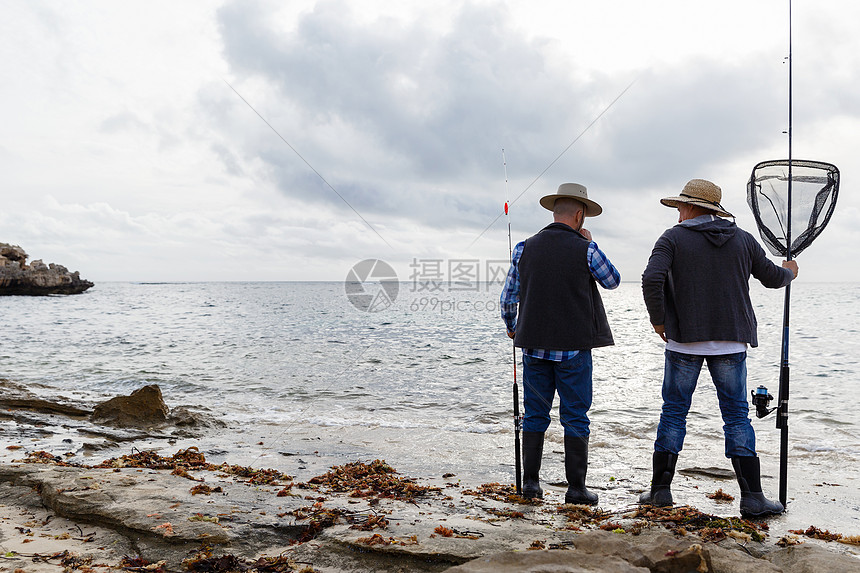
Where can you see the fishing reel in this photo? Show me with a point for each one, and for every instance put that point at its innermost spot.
(761, 400)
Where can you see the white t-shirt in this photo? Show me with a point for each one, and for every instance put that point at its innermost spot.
(707, 347)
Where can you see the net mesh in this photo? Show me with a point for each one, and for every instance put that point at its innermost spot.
(814, 187)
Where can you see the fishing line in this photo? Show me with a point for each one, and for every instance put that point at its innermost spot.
(289, 426)
(553, 162)
(308, 164)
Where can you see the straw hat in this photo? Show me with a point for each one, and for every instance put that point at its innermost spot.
(700, 193)
(572, 191)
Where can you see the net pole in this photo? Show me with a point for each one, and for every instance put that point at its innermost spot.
(782, 412)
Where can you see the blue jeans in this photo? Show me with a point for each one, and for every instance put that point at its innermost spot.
(571, 379)
(729, 372)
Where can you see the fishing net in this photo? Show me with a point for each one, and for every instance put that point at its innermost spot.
(800, 217)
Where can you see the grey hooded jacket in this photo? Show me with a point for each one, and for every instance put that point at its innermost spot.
(696, 283)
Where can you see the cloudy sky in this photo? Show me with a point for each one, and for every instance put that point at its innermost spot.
(256, 140)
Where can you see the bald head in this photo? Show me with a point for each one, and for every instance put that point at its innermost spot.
(566, 207)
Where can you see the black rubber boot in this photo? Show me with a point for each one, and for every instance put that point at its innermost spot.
(532, 454)
(753, 501)
(575, 467)
(660, 494)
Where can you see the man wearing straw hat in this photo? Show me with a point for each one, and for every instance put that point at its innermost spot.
(552, 282)
(696, 289)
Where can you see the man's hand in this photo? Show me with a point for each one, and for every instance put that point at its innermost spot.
(661, 330)
(585, 233)
(792, 265)
(510, 335)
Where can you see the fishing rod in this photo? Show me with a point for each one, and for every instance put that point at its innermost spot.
(518, 421)
(776, 199)
(782, 404)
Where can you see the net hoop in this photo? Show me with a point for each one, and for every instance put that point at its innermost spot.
(820, 207)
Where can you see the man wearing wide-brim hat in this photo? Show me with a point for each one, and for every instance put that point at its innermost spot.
(696, 289)
(553, 311)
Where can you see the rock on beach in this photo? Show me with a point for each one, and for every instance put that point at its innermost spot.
(143, 407)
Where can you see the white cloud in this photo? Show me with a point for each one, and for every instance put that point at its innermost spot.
(125, 152)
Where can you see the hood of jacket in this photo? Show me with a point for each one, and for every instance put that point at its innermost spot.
(718, 231)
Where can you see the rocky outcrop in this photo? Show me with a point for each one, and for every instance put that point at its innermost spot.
(139, 416)
(35, 279)
(15, 397)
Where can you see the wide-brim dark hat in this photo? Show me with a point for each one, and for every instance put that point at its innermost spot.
(702, 193)
(572, 191)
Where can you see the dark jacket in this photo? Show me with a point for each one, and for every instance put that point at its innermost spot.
(560, 306)
(696, 283)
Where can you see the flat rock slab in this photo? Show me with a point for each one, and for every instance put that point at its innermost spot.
(711, 472)
(156, 515)
(30, 534)
(808, 558)
(154, 509)
(552, 561)
(652, 551)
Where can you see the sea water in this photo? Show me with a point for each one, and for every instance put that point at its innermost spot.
(302, 379)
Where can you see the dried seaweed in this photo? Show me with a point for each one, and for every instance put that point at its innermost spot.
(685, 519)
(579, 515)
(374, 480)
(503, 493)
(141, 564)
(613, 527)
(204, 562)
(318, 518)
(191, 459)
(720, 495)
(509, 513)
(372, 522)
(377, 539)
(203, 489)
(43, 457)
(180, 463)
(223, 564)
(816, 533)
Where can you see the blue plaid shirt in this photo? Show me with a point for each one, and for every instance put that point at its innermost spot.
(603, 271)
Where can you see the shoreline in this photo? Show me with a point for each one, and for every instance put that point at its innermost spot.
(65, 502)
(355, 517)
